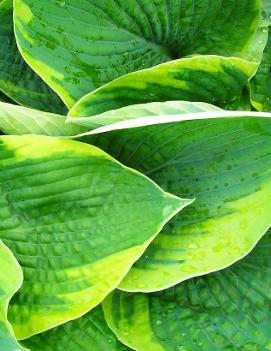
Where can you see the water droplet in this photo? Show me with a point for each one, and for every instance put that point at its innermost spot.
(181, 348)
(67, 69)
(61, 3)
(125, 332)
(256, 333)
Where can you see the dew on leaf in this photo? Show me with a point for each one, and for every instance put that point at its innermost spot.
(61, 3)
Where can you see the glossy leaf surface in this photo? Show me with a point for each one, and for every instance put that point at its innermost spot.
(78, 45)
(76, 220)
(224, 163)
(226, 311)
(17, 79)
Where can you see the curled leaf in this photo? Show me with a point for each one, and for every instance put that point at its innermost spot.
(211, 79)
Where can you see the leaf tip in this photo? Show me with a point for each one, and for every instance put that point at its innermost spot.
(174, 205)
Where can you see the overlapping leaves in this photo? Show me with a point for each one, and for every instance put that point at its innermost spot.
(11, 278)
(226, 310)
(210, 79)
(77, 45)
(225, 165)
(17, 79)
(137, 77)
(89, 332)
(72, 216)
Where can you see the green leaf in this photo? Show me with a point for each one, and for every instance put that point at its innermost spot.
(89, 332)
(211, 79)
(224, 163)
(227, 310)
(261, 83)
(77, 45)
(139, 111)
(11, 278)
(20, 120)
(76, 220)
(17, 79)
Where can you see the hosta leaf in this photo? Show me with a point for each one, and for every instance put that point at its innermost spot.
(211, 79)
(226, 311)
(11, 278)
(140, 110)
(17, 79)
(89, 332)
(77, 45)
(261, 83)
(20, 120)
(224, 163)
(76, 220)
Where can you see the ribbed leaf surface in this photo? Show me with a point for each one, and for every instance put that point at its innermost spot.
(17, 79)
(225, 164)
(79, 45)
(226, 311)
(212, 79)
(19, 120)
(89, 332)
(76, 220)
(134, 112)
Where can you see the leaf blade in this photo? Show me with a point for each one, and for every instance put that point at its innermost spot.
(64, 203)
(17, 79)
(210, 79)
(87, 332)
(19, 120)
(225, 310)
(260, 83)
(230, 189)
(128, 36)
(11, 278)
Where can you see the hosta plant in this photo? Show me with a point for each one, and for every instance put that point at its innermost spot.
(135, 175)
